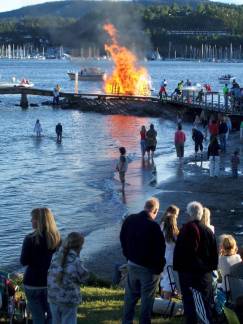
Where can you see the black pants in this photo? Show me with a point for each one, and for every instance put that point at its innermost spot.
(201, 282)
(198, 145)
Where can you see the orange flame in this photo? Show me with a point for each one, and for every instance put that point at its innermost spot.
(127, 77)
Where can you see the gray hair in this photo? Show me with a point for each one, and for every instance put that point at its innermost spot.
(195, 210)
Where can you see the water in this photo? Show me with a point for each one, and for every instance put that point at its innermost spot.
(76, 178)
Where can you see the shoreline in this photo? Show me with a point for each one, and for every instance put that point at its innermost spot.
(222, 196)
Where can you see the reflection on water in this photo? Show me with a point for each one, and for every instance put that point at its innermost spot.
(75, 178)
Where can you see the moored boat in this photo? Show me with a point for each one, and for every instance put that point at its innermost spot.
(88, 74)
(226, 79)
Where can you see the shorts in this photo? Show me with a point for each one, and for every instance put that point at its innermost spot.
(122, 176)
(151, 148)
(180, 150)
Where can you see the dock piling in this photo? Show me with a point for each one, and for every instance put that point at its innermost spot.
(24, 101)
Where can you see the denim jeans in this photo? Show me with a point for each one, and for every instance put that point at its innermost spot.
(38, 305)
(141, 283)
(234, 173)
(222, 139)
(63, 314)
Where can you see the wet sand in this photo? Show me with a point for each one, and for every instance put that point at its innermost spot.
(222, 195)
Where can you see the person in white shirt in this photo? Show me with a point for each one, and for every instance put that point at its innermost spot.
(227, 256)
(170, 231)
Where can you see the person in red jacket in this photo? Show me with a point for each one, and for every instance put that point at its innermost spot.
(195, 257)
(213, 128)
(180, 138)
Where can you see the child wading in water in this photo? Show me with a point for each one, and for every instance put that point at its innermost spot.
(235, 162)
(121, 166)
(65, 275)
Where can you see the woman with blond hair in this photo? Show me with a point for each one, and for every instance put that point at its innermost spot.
(170, 230)
(227, 256)
(37, 250)
(206, 218)
(65, 275)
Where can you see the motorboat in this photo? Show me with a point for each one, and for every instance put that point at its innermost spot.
(226, 79)
(88, 74)
(24, 83)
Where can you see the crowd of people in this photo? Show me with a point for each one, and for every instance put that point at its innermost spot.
(150, 247)
(233, 93)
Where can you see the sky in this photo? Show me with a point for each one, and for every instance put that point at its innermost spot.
(15, 4)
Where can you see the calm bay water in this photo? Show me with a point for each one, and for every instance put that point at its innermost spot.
(76, 178)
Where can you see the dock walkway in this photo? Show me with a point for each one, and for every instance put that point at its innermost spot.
(211, 101)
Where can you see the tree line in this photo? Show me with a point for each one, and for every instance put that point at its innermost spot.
(142, 26)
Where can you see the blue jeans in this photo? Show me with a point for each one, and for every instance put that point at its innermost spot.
(38, 305)
(222, 139)
(141, 283)
(234, 173)
(62, 314)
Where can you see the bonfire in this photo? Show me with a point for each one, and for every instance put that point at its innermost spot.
(127, 76)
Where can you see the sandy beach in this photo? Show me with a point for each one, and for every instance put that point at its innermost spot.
(223, 196)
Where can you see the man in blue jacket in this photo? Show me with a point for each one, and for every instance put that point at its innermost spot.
(143, 246)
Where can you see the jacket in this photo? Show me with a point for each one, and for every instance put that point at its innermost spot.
(143, 242)
(197, 136)
(151, 137)
(68, 292)
(180, 137)
(196, 249)
(37, 258)
(213, 149)
(223, 128)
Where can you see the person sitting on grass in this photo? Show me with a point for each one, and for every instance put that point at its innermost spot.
(65, 275)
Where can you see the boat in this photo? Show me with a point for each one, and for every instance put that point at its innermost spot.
(226, 79)
(88, 74)
(24, 83)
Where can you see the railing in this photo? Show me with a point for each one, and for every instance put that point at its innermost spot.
(213, 101)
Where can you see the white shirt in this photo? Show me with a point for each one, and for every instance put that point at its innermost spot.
(225, 262)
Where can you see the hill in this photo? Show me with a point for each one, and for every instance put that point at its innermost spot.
(78, 8)
(209, 28)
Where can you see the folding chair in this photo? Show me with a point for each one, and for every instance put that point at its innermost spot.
(235, 288)
(174, 280)
(199, 306)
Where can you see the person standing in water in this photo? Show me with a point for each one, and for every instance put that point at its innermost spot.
(122, 166)
(56, 94)
(38, 129)
(143, 140)
(59, 132)
(151, 141)
(179, 140)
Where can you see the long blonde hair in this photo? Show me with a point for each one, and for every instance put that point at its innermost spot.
(46, 225)
(206, 217)
(169, 223)
(228, 245)
(74, 241)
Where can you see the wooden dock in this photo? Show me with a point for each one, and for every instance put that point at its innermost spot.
(211, 102)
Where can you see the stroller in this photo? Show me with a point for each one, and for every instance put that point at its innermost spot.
(12, 302)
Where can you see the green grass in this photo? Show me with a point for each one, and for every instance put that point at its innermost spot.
(104, 306)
